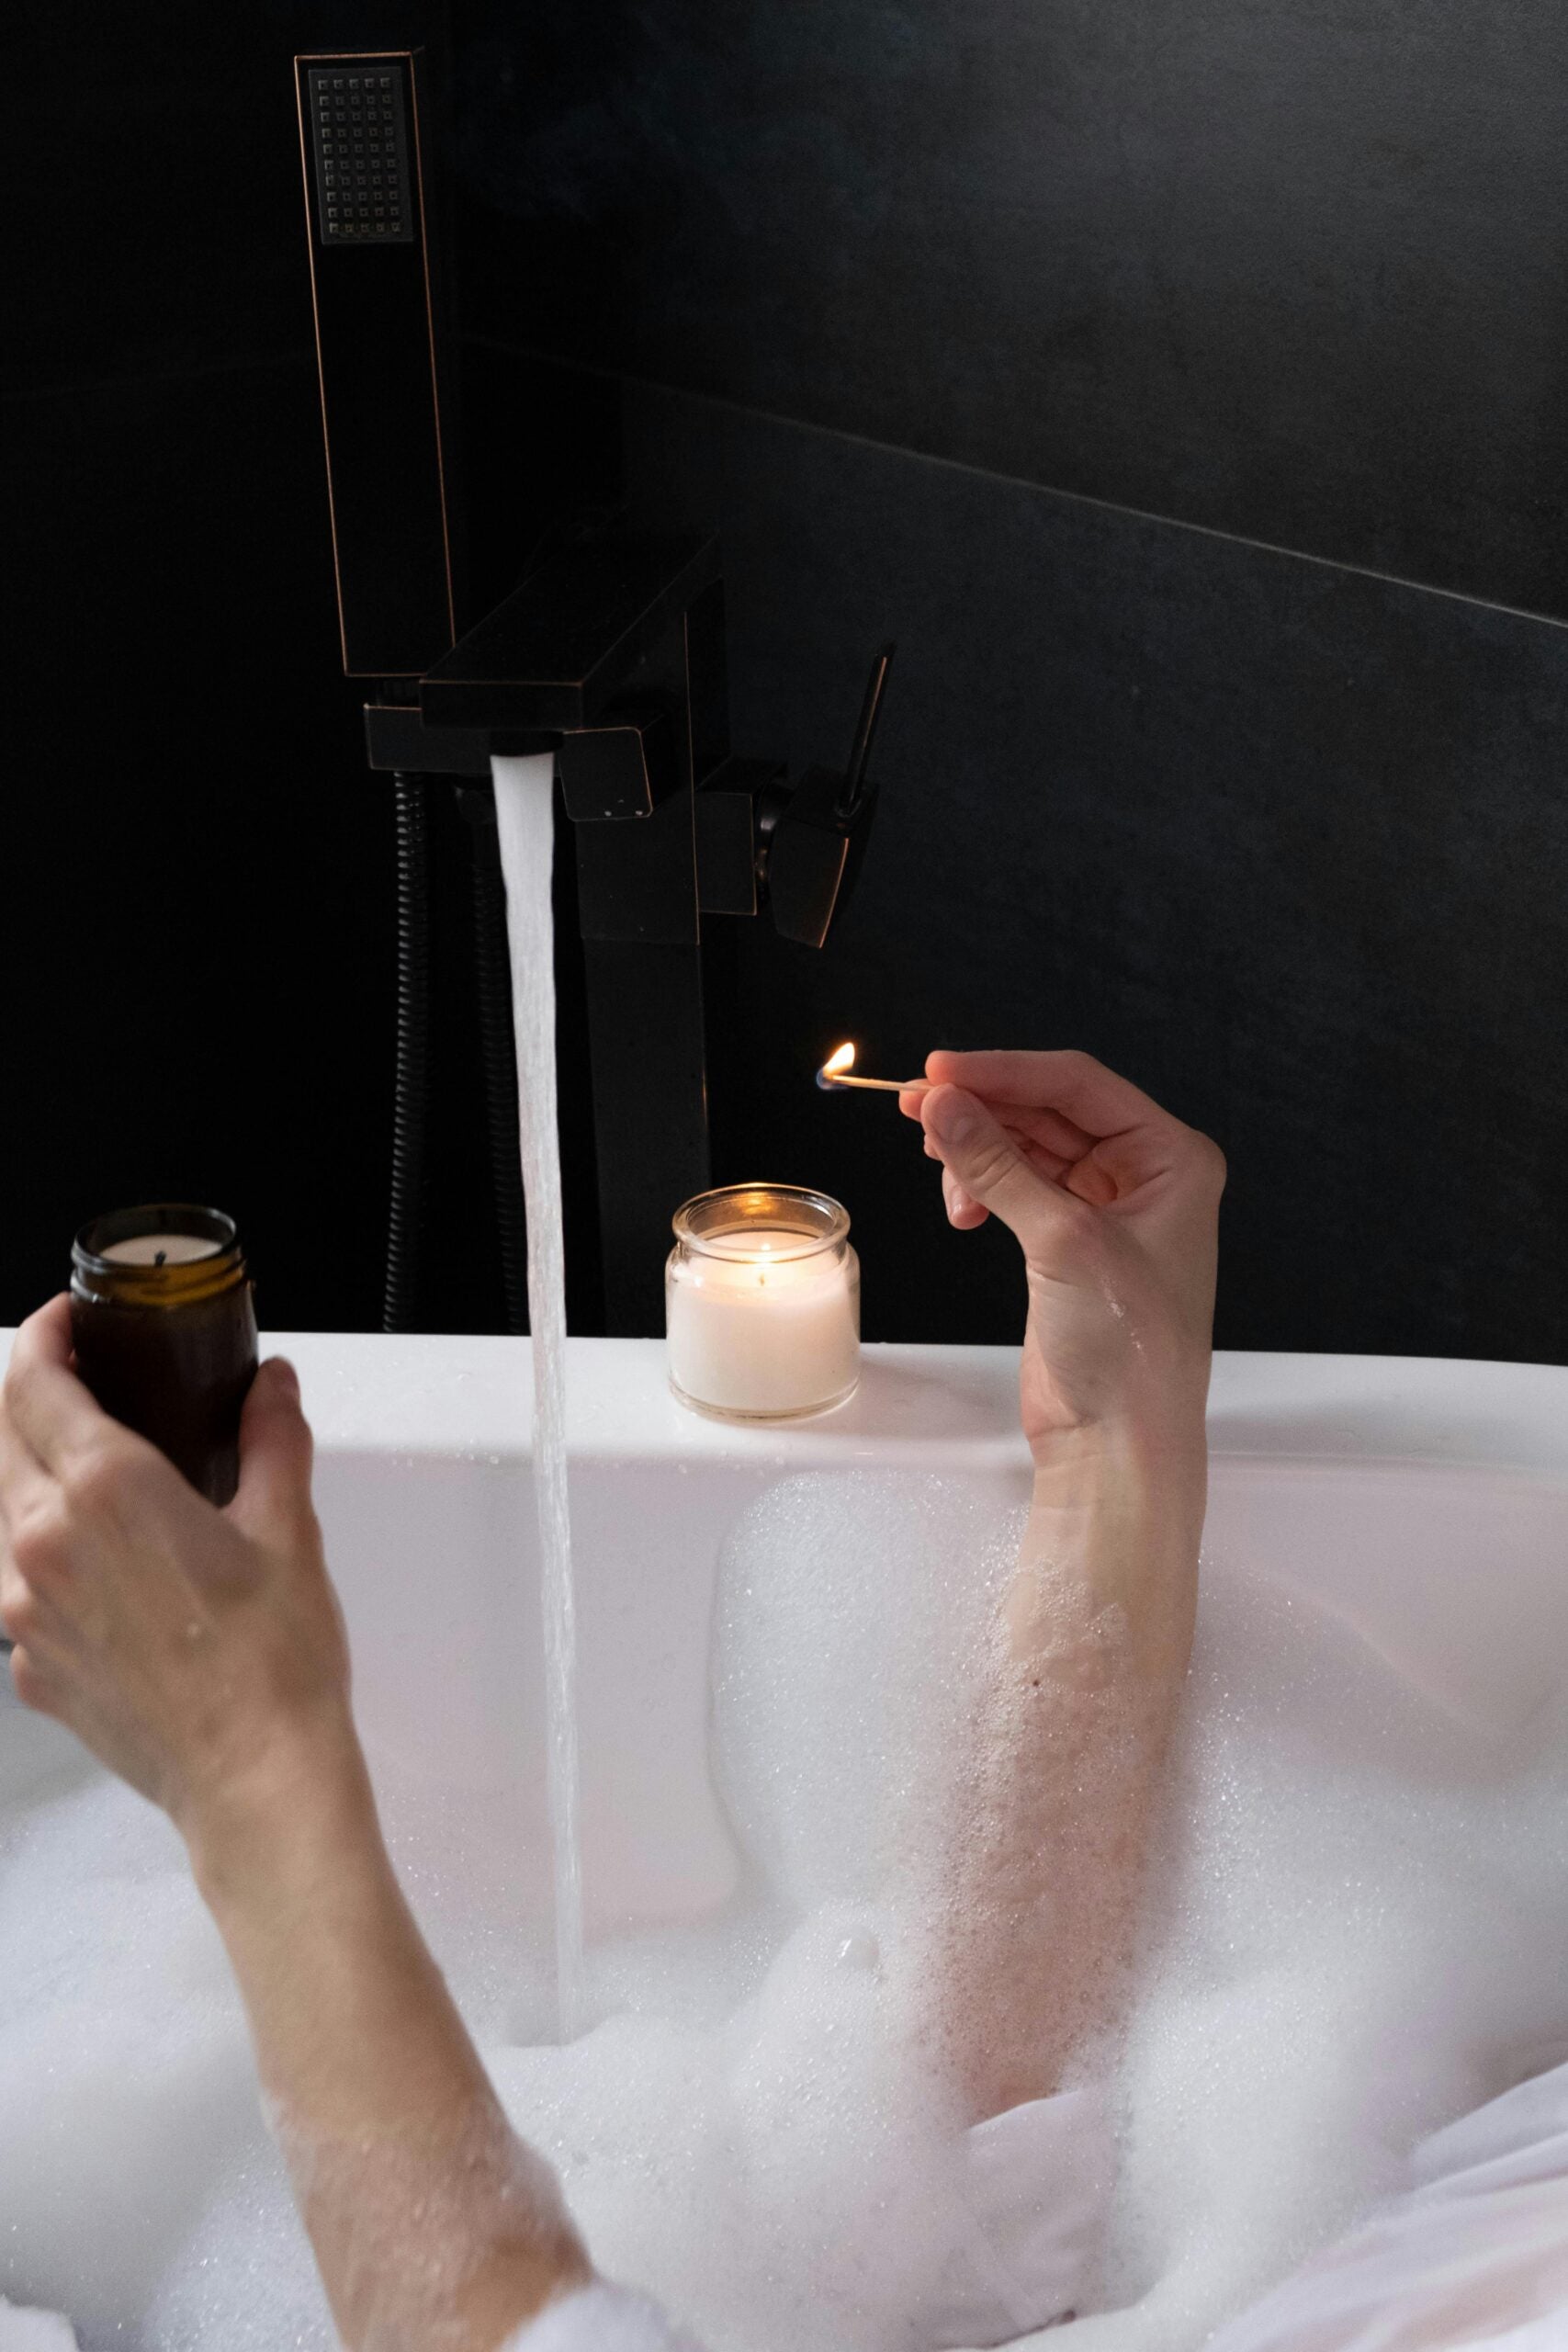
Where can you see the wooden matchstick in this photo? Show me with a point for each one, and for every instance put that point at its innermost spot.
(830, 1082)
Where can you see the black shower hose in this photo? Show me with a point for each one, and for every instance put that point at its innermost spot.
(412, 1085)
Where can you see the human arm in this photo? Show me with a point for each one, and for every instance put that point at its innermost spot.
(1114, 1204)
(201, 1654)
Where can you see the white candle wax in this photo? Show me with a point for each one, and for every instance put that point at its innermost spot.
(758, 1332)
(164, 1249)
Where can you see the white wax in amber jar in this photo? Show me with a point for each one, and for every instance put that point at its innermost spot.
(758, 1330)
(161, 1249)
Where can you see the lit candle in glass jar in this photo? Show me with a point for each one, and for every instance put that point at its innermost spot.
(763, 1304)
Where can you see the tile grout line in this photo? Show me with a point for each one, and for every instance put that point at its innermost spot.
(1043, 489)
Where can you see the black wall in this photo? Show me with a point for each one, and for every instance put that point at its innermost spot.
(196, 872)
(1186, 390)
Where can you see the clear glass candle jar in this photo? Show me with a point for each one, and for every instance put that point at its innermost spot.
(761, 1298)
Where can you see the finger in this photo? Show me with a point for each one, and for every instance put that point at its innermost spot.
(1049, 1164)
(275, 1453)
(11, 1589)
(987, 1164)
(1092, 1180)
(32, 1561)
(27, 1613)
(32, 1684)
(24, 1483)
(963, 1210)
(52, 1412)
(1053, 1129)
(1075, 1084)
(26, 1494)
(1038, 1120)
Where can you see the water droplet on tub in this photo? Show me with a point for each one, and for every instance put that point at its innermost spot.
(860, 1951)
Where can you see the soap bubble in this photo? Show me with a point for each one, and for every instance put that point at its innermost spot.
(34, 2331)
(1354, 1936)
(849, 1640)
(1353, 1932)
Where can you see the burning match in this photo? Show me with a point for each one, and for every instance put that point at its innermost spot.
(834, 1074)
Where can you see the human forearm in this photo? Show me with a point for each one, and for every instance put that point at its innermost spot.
(1113, 1203)
(1087, 1658)
(433, 2225)
(201, 1654)
(1115, 1523)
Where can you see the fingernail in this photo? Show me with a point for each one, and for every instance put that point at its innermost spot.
(954, 1118)
(285, 1376)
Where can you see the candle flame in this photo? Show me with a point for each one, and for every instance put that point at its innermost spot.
(839, 1061)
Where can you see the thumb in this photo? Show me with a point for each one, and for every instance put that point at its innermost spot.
(276, 1452)
(984, 1158)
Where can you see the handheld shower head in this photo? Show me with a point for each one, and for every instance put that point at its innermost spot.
(380, 348)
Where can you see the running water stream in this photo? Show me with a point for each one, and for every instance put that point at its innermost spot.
(524, 814)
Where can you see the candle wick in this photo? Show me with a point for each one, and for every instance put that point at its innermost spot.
(161, 1257)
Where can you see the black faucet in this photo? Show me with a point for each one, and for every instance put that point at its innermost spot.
(610, 653)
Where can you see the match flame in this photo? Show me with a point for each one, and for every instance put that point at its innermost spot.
(837, 1063)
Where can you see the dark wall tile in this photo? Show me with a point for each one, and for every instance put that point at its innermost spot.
(196, 896)
(196, 893)
(1284, 843)
(1292, 271)
(154, 216)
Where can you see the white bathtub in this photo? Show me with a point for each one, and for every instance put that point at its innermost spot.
(1421, 1504)
(1424, 1501)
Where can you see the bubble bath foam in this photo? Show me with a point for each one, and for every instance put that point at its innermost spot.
(1352, 1932)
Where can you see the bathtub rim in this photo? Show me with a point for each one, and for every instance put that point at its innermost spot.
(469, 1396)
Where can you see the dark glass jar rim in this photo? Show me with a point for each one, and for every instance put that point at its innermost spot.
(180, 1283)
(719, 1224)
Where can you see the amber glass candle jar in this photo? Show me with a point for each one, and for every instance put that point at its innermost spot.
(165, 1333)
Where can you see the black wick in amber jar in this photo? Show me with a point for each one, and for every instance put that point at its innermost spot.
(165, 1333)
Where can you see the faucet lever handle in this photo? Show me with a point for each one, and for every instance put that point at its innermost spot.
(819, 839)
(852, 793)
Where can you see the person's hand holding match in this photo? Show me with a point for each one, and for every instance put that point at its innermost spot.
(1113, 1203)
